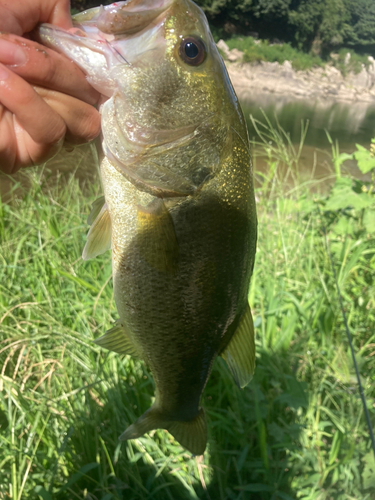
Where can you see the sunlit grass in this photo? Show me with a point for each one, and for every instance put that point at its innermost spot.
(297, 431)
(262, 50)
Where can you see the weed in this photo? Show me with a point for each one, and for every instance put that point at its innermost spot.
(297, 431)
(262, 50)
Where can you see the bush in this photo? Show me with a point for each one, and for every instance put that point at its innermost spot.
(264, 51)
(354, 64)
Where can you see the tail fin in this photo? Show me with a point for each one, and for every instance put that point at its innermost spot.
(191, 434)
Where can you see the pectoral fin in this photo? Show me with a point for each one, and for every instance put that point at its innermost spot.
(117, 340)
(95, 210)
(99, 236)
(157, 238)
(240, 352)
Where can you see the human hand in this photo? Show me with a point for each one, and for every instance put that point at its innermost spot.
(45, 99)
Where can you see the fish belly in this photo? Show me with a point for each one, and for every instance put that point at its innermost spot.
(177, 314)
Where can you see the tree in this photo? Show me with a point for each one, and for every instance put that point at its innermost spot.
(268, 17)
(320, 25)
(361, 31)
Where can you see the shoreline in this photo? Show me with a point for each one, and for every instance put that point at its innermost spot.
(326, 83)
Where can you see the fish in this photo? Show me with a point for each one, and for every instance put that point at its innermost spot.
(178, 210)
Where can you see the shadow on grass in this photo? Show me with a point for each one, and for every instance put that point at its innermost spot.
(252, 435)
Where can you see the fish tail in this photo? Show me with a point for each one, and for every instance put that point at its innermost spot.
(191, 434)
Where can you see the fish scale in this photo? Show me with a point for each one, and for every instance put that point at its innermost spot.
(178, 209)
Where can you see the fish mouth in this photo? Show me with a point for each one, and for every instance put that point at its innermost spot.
(103, 38)
(122, 18)
(132, 30)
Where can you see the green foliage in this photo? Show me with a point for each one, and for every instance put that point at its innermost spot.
(306, 19)
(361, 30)
(296, 432)
(241, 43)
(263, 51)
(355, 63)
(317, 25)
(351, 199)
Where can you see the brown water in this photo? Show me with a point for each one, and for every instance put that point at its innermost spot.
(347, 123)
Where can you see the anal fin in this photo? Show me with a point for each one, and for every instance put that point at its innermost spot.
(240, 352)
(116, 339)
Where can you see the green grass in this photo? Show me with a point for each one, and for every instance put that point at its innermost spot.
(355, 63)
(297, 430)
(262, 50)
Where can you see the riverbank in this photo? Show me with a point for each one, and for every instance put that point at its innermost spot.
(282, 79)
(64, 401)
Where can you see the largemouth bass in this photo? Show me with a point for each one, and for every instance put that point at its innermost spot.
(178, 208)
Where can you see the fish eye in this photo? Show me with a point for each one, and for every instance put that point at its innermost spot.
(192, 51)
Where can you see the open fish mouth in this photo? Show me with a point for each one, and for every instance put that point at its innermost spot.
(130, 32)
(122, 18)
(130, 29)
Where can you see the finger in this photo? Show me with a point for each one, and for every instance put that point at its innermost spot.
(82, 120)
(45, 67)
(22, 16)
(57, 12)
(17, 148)
(42, 123)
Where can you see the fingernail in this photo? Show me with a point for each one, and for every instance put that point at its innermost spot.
(11, 54)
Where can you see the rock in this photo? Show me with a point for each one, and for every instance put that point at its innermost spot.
(287, 69)
(362, 80)
(232, 55)
(223, 47)
(371, 68)
(235, 55)
(250, 80)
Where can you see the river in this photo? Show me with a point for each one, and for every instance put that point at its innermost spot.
(347, 123)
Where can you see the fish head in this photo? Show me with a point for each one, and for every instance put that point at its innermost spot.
(167, 119)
